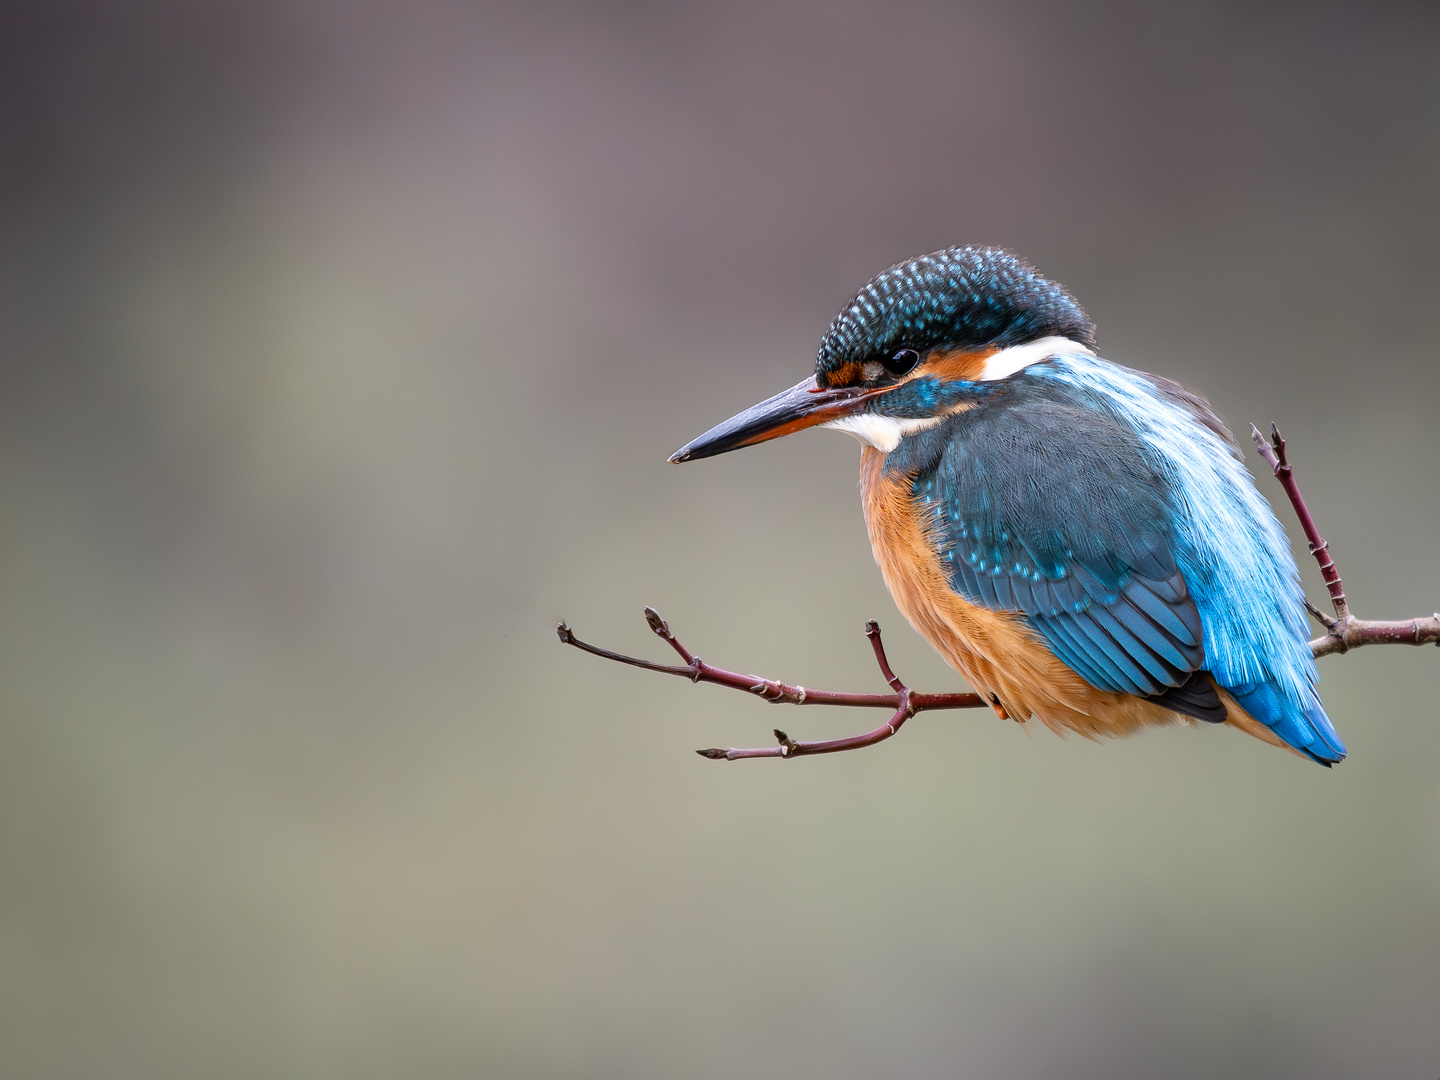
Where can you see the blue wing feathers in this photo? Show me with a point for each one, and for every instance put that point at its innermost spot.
(1307, 729)
(1110, 509)
(1053, 527)
(1157, 640)
(1004, 595)
(987, 591)
(1123, 648)
(1229, 548)
(1171, 592)
(1106, 651)
(1150, 597)
(1071, 652)
(1024, 594)
(1152, 637)
(1096, 590)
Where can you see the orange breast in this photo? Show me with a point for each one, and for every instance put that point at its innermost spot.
(995, 651)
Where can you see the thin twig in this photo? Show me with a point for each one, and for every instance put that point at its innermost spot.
(1319, 616)
(903, 702)
(1318, 547)
(1345, 631)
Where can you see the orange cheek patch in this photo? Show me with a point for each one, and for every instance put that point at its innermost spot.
(847, 375)
(947, 365)
(942, 364)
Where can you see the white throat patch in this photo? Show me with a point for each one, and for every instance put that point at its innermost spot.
(1007, 362)
(882, 432)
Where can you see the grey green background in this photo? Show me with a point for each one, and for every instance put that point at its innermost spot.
(341, 348)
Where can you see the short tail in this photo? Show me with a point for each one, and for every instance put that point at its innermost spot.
(1305, 729)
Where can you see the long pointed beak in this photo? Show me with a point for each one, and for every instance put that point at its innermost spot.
(804, 405)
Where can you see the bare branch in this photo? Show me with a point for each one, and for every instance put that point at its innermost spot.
(1318, 547)
(1345, 631)
(903, 702)
(1355, 632)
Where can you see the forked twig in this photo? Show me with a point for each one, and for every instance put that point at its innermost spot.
(1344, 632)
(904, 703)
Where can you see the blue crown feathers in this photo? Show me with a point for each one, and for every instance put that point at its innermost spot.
(960, 297)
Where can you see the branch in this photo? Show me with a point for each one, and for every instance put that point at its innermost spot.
(1344, 632)
(904, 703)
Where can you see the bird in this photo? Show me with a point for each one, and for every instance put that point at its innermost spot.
(1080, 540)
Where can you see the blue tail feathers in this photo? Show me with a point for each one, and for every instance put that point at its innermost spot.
(1306, 728)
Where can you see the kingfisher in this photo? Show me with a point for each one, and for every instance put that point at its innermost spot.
(1080, 540)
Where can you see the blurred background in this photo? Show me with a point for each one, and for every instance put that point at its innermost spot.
(341, 349)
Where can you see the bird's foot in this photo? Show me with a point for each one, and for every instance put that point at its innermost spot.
(999, 708)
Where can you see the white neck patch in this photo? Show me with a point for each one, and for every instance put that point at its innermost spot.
(882, 432)
(1007, 362)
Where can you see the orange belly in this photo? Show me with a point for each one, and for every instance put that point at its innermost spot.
(1002, 658)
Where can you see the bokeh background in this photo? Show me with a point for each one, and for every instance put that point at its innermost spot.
(341, 348)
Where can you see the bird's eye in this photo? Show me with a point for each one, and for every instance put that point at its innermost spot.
(902, 361)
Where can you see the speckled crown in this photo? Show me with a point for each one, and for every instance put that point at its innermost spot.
(962, 297)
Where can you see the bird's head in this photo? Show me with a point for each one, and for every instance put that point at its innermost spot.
(918, 343)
